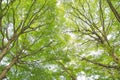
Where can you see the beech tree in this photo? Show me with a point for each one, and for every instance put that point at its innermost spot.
(25, 28)
(95, 26)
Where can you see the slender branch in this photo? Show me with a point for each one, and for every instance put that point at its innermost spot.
(0, 15)
(100, 64)
(66, 70)
(102, 17)
(8, 4)
(34, 53)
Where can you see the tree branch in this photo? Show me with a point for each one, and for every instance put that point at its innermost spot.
(100, 64)
(4, 72)
(114, 10)
(4, 51)
(66, 70)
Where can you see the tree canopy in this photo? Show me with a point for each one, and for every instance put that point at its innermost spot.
(59, 39)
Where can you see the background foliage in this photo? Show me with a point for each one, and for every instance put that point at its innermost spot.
(59, 40)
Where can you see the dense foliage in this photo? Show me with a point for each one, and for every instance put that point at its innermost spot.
(59, 39)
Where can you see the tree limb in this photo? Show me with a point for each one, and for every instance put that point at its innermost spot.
(100, 64)
(4, 72)
(114, 10)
